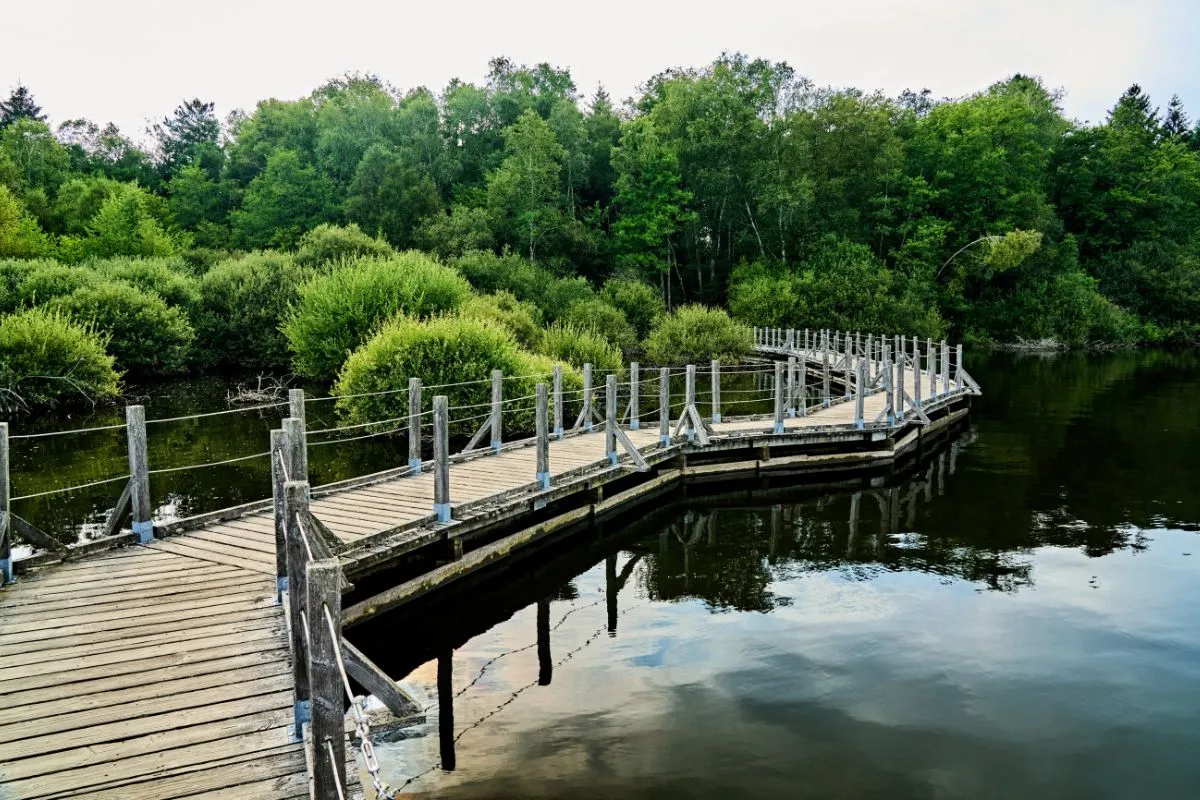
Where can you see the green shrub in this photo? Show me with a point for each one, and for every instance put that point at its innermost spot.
(48, 360)
(168, 278)
(242, 304)
(339, 310)
(560, 294)
(579, 346)
(13, 273)
(521, 319)
(695, 335)
(447, 351)
(490, 273)
(597, 316)
(328, 243)
(640, 302)
(53, 280)
(459, 232)
(146, 336)
(765, 301)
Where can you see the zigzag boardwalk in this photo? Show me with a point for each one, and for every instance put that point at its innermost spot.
(205, 659)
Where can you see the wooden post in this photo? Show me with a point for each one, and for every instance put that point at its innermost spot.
(933, 369)
(779, 389)
(541, 423)
(791, 386)
(6, 570)
(635, 391)
(958, 368)
(497, 410)
(293, 429)
(545, 664)
(325, 680)
(296, 411)
(664, 405)
(860, 392)
(610, 418)
(441, 457)
(445, 692)
(295, 507)
(558, 401)
(414, 425)
(825, 377)
(945, 368)
(916, 372)
(139, 474)
(279, 457)
(885, 366)
(587, 397)
(716, 389)
(689, 395)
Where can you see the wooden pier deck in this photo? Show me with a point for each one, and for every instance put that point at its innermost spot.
(169, 669)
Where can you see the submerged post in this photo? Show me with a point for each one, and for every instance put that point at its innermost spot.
(716, 390)
(497, 411)
(610, 418)
(779, 389)
(542, 424)
(635, 391)
(441, 458)
(791, 386)
(295, 507)
(664, 405)
(323, 602)
(139, 474)
(558, 402)
(6, 570)
(414, 424)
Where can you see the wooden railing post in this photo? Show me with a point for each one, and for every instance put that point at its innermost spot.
(916, 361)
(860, 392)
(779, 390)
(297, 465)
(716, 390)
(441, 458)
(958, 368)
(323, 602)
(6, 568)
(791, 386)
(931, 354)
(885, 367)
(558, 401)
(279, 457)
(635, 391)
(610, 418)
(664, 405)
(139, 474)
(587, 397)
(689, 394)
(295, 507)
(497, 409)
(945, 368)
(296, 411)
(898, 384)
(542, 424)
(414, 425)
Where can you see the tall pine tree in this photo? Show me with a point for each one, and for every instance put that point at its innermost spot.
(19, 105)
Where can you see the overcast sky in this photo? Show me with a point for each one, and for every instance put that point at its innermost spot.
(135, 60)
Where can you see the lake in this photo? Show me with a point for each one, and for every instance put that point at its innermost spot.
(1012, 617)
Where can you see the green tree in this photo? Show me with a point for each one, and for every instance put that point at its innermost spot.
(188, 136)
(20, 235)
(286, 200)
(124, 226)
(523, 193)
(20, 105)
(389, 195)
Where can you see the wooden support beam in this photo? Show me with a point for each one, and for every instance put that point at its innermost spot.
(791, 386)
(139, 472)
(113, 524)
(364, 672)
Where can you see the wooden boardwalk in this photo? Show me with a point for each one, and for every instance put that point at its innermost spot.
(164, 670)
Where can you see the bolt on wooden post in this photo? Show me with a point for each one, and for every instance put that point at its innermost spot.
(664, 405)
(139, 474)
(441, 458)
(414, 425)
(542, 424)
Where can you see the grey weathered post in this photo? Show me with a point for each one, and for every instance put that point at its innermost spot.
(870, 354)
(931, 352)
(860, 393)
(542, 424)
(779, 390)
(558, 402)
(296, 411)
(716, 390)
(295, 506)
(441, 458)
(293, 430)
(885, 367)
(587, 397)
(825, 377)
(791, 386)
(139, 474)
(497, 411)
(414, 424)
(898, 384)
(6, 571)
(689, 394)
(635, 391)
(945, 368)
(664, 405)
(958, 369)
(610, 418)
(279, 457)
(916, 372)
(323, 602)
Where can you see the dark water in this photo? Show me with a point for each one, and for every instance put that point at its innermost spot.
(1014, 617)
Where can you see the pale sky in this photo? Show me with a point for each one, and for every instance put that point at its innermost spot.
(134, 60)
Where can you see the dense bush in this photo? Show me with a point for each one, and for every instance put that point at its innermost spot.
(604, 320)
(579, 346)
(559, 294)
(490, 273)
(169, 278)
(521, 319)
(146, 336)
(328, 243)
(48, 360)
(20, 235)
(640, 302)
(339, 310)
(453, 352)
(695, 335)
(51, 280)
(242, 303)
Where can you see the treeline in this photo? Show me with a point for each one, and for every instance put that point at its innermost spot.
(989, 217)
